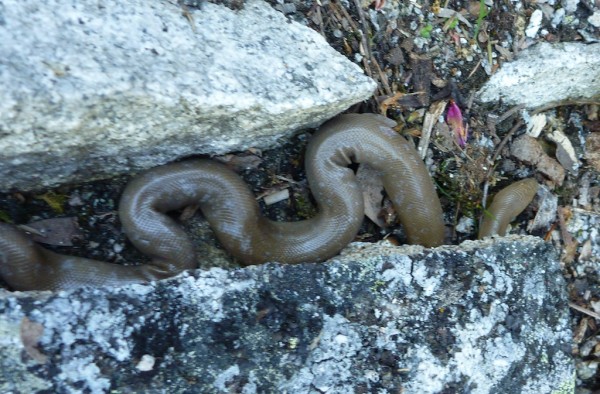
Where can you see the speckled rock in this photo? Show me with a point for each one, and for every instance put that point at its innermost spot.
(485, 317)
(585, 227)
(546, 73)
(93, 89)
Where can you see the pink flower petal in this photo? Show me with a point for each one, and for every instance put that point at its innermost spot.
(454, 119)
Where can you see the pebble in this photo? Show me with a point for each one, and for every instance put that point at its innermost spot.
(465, 225)
(558, 17)
(534, 24)
(117, 248)
(146, 363)
(570, 5)
(594, 19)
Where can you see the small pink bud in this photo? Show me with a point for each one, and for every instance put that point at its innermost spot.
(379, 4)
(455, 121)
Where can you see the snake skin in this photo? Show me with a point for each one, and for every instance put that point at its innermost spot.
(507, 203)
(234, 215)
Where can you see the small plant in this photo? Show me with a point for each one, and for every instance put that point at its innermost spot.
(483, 12)
(426, 31)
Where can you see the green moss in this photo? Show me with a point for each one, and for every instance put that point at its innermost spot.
(4, 217)
(451, 184)
(304, 208)
(377, 285)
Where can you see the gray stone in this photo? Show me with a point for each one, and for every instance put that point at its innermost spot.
(546, 73)
(92, 89)
(585, 227)
(485, 317)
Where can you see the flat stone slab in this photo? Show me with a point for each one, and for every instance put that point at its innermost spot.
(91, 90)
(485, 317)
(547, 73)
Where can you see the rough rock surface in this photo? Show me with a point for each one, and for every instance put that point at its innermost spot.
(546, 73)
(92, 89)
(486, 317)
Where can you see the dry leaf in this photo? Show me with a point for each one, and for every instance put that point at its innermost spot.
(565, 153)
(31, 332)
(389, 102)
(431, 118)
(371, 185)
(55, 201)
(188, 212)
(56, 231)
(580, 330)
(240, 162)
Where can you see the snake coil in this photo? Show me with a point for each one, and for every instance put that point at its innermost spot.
(234, 214)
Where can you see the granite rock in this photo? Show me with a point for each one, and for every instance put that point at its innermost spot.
(484, 317)
(547, 73)
(93, 89)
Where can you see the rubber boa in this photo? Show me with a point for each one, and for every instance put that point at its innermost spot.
(233, 213)
(507, 204)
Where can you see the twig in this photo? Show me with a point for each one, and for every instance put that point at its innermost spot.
(319, 18)
(569, 242)
(188, 15)
(31, 230)
(363, 26)
(382, 77)
(495, 156)
(508, 113)
(470, 101)
(368, 58)
(365, 49)
(474, 69)
(584, 310)
(565, 103)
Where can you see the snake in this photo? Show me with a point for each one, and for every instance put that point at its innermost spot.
(234, 215)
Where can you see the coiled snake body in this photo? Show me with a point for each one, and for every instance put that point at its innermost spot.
(234, 215)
